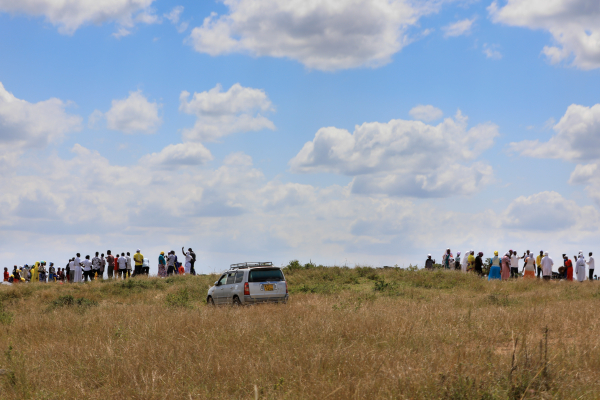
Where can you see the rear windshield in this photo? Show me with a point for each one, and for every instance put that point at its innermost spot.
(264, 275)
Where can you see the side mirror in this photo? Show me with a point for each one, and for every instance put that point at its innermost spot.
(217, 283)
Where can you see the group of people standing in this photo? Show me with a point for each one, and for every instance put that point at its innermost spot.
(507, 266)
(118, 266)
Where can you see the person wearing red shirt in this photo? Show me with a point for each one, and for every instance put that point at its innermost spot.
(6, 274)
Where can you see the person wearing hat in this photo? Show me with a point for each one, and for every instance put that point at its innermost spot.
(447, 259)
(547, 264)
(457, 261)
(495, 268)
(506, 266)
(429, 262)
(138, 258)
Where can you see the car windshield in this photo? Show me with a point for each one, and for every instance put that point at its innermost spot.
(265, 275)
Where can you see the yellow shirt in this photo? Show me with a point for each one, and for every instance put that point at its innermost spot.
(538, 259)
(138, 258)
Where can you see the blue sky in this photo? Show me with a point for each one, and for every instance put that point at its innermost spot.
(323, 130)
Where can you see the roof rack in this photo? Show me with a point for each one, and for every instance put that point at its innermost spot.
(251, 264)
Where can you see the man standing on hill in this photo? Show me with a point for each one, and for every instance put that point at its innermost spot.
(102, 266)
(538, 261)
(547, 264)
(111, 264)
(514, 264)
(95, 265)
(429, 262)
(591, 267)
(122, 266)
(580, 267)
(128, 264)
(139, 261)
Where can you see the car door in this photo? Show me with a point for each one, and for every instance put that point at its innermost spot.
(228, 288)
(217, 292)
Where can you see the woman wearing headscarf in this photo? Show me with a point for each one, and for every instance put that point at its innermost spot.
(465, 262)
(162, 269)
(35, 272)
(568, 267)
(471, 262)
(529, 267)
(457, 261)
(479, 263)
(505, 267)
(495, 268)
(446, 259)
(580, 267)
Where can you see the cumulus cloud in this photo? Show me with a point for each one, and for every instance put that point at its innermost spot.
(178, 155)
(222, 113)
(426, 113)
(576, 138)
(459, 28)
(573, 25)
(542, 211)
(24, 124)
(174, 17)
(403, 157)
(70, 15)
(135, 114)
(325, 35)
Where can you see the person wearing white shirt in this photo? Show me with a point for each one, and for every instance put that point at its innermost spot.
(122, 266)
(87, 268)
(514, 264)
(580, 267)
(547, 264)
(591, 267)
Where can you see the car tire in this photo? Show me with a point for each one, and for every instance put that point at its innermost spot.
(210, 301)
(236, 301)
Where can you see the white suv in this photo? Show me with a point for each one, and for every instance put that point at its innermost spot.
(249, 283)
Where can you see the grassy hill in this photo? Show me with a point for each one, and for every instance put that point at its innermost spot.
(346, 333)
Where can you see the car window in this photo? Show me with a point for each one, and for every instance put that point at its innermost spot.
(230, 278)
(222, 280)
(264, 275)
(239, 277)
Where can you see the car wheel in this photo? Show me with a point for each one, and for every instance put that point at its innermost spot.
(236, 301)
(210, 301)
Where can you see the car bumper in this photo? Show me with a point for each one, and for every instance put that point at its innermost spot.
(264, 299)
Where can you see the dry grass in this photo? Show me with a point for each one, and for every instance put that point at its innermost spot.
(346, 333)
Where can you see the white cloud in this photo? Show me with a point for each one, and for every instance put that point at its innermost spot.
(72, 14)
(577, 137)
(403, 157)
(222, 113)
(24, 124)
(174, 17)
(573, 24)
(491, 51)
(426, 113)
(326, 35)
(542, 211)
(135, 114)
(177, 155)
(459, 28)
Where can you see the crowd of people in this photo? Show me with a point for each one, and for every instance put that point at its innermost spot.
(116, 266)
(508, 265)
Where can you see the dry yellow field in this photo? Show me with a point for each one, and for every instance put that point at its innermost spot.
(345, 334)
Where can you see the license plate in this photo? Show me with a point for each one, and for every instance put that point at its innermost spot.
(268, 287)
